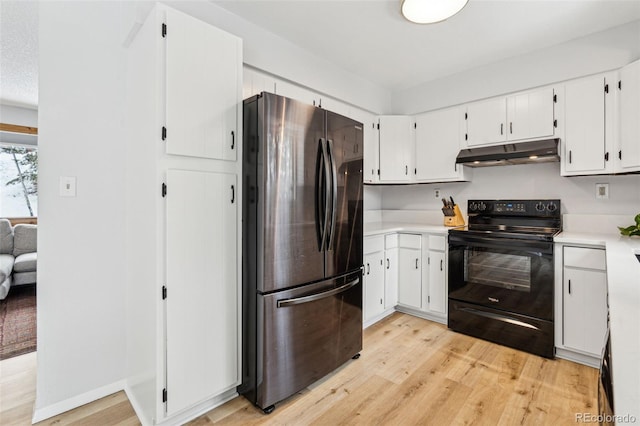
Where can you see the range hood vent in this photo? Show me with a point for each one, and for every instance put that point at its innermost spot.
(544, 151)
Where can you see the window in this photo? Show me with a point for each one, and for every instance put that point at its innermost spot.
(18, 181)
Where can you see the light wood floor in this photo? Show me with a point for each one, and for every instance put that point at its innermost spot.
(411, 371)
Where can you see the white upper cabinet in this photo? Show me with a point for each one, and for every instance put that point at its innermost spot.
(486, 122)
(588, 125)
(628, 155)
(530, 115)
(371, 166)
(396, 148)
(522, 116)
(437, 139)
(203, 88)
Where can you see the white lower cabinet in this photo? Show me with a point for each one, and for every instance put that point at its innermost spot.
(373, 288)
(437, 286)
(391, 271)
(581, 298)
(409, 271)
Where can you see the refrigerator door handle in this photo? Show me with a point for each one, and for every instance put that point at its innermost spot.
(312, 298)
(321, 196)
(327, 195)
(334, 192)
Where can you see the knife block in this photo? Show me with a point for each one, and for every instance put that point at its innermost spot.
(456, 219)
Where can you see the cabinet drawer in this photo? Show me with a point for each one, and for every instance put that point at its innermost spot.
(437, 242)
(409, 241)
(582, 257)
(373, 244)
(391, 241)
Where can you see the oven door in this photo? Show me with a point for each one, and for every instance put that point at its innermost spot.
(502, 273)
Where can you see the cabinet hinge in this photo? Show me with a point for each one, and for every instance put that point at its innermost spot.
(555, 99)
(606, 156)
(164, 190)
(164, 133)
(606, 88)
(164, 395)
(555, 123)
(164, 292)
(466, 136)
(164, 30)
(619, 84)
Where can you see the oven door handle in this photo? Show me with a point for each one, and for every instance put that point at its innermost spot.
(498, 317)
(534, 247)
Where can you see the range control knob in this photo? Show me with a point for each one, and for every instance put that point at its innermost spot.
(482, 206)
(552, 207)
(540, 207)
(473, 207)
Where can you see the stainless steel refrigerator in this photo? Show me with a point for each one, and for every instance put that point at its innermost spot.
(302, 236)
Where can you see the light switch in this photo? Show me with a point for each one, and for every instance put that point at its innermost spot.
(67, 186)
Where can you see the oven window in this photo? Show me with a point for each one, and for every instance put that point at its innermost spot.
(509, 271)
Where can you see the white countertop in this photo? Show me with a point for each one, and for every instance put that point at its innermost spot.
(623, 281)
(377, 228)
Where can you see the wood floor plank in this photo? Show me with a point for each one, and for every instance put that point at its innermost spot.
(411, 372)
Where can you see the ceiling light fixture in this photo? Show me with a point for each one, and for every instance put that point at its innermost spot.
(431, 11)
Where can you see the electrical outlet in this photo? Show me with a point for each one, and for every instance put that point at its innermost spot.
(602, 191)
(436, 194)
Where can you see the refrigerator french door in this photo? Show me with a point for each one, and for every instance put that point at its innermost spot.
(302, 231)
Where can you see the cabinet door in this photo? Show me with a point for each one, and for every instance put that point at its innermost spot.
(530, 115)
(374, 291)
(486, 122)
(203, 88)
(371, 144)
(437, 282)
(584, 141)
(395, 148)
(410, 277)
(202, 287)
(585, 310)
(437, 145)
(391, 278)
(629, 152)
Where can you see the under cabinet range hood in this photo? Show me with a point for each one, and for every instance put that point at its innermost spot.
(543, 151)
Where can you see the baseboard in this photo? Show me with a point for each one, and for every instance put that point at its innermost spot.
(377, 318)
(578, 357)
(44, 413)
(442, 319)
(137, 407)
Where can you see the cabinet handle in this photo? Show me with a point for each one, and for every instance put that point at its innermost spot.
(569, 286)
(368, 269)
(501, 128)
(619, 155)
(441, 264)
(387, 263)
(406, 170)
(416, 263)
(569, 156)
(233, 139)
(233, 194)
(511, 127)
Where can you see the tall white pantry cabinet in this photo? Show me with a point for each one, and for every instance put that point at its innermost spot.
(183, 202)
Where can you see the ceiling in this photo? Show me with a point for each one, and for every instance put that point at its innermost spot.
(368, 38)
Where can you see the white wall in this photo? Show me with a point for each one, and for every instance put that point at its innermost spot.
(81, 304)
(577, 194)
(595, 53)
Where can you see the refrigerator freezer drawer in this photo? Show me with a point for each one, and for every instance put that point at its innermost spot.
(307, 333)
